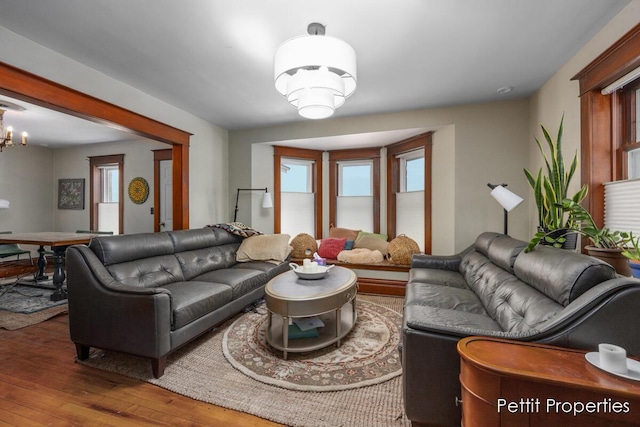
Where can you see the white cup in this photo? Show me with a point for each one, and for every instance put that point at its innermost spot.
(613, 358)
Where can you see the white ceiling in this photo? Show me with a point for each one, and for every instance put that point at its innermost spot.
(214, 58)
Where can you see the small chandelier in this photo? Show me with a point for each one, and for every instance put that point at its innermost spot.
(6, 135)
(316, 73)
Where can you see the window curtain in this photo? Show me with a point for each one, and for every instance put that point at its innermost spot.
(355, 213)
(297, 213)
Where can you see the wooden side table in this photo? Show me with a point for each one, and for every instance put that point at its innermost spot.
(514, 383)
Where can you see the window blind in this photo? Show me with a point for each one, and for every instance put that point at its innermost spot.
(297, 213)
(410, 216)
(622, 205)
(355, 213)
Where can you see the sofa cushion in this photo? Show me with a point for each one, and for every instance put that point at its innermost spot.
(504, 250)
(242, 281)
(484, 240)
(442, 320)
(192, 300)
(150, 272)
(200, 261)
(561, 274)
(266, 247)
(128, 247)
(270, 269)
(444, 297)
(437, 277)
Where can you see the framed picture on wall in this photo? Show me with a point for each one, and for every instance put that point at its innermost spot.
(71, 193)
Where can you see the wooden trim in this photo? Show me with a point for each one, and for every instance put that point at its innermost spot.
(600, 119)
(381, 286)
(158, 156)
(422, 141)
(354, 154)
(297, 153)
(34, 89)
(94, 188)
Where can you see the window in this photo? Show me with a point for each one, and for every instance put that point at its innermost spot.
(297, 194)
(409, 190)
(412, 171)
(109, 184)
(354, 189)
(609, 120)
(106, 211)
(296, 176)
(355, 178)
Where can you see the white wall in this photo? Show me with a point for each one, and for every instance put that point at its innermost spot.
(138, 161)
(561, 95)
(26, 181)
(208, 154)
(489, 144)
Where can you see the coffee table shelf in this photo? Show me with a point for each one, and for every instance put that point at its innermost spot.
(326, 335)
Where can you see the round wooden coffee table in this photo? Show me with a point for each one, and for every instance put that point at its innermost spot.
(332, 299)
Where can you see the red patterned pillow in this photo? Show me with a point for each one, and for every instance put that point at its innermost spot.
(329, 248)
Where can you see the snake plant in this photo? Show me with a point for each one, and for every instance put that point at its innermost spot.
(551, 189)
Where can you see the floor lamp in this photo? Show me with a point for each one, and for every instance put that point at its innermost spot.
(266, 199)
(507, 199)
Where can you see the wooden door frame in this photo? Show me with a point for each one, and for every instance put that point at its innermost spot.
(28, 87)
(158, 156)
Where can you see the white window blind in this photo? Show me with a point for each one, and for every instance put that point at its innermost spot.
(622, 205)
(297, 213)
(410, 216)
(355, 213)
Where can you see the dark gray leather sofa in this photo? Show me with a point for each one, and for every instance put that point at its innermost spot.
(148, 294)
(493, 288)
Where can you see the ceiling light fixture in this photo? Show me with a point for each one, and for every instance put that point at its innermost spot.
(316, 73)
(6, 135)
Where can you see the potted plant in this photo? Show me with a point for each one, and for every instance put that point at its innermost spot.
(632, 254)
(607, 245)
(551, 189)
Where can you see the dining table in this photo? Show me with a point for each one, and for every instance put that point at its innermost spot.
(58, 241)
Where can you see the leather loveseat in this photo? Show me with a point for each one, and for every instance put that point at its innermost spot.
(494, 288)
(148, 294)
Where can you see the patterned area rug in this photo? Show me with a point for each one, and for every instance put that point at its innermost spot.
(367, 355)
(24, 306)
(199, 370)
(27, 299)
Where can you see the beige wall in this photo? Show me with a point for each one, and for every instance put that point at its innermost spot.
(208, 154)
(138, 161)
(561, 95)
(479, 144)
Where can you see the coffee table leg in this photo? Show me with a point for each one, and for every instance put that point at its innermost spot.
(338, 318)
(285, 335)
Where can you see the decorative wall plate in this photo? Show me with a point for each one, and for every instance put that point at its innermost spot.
(138, 190)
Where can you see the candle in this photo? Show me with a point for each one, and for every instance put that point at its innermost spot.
(613, 358)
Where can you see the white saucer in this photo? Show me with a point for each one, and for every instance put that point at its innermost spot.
(633, 366)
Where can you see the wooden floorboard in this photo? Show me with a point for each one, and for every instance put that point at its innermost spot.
(40, 384)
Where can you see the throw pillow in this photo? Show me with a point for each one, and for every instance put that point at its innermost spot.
(378, 236)
(340, 233)
(266, 247)
(368, 241)
(360, 256)
(331, 247)
(349, 245)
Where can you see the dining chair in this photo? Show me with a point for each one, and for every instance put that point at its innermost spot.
(13, 249)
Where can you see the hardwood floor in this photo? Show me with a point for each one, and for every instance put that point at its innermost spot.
(40, 384)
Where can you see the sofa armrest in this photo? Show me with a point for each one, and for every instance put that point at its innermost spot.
(439, 262)
(100, 309)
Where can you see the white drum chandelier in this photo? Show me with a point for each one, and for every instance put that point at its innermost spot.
(316, 73)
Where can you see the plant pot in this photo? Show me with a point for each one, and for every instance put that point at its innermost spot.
(611, 256)
(635, 268)
(571, 237)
